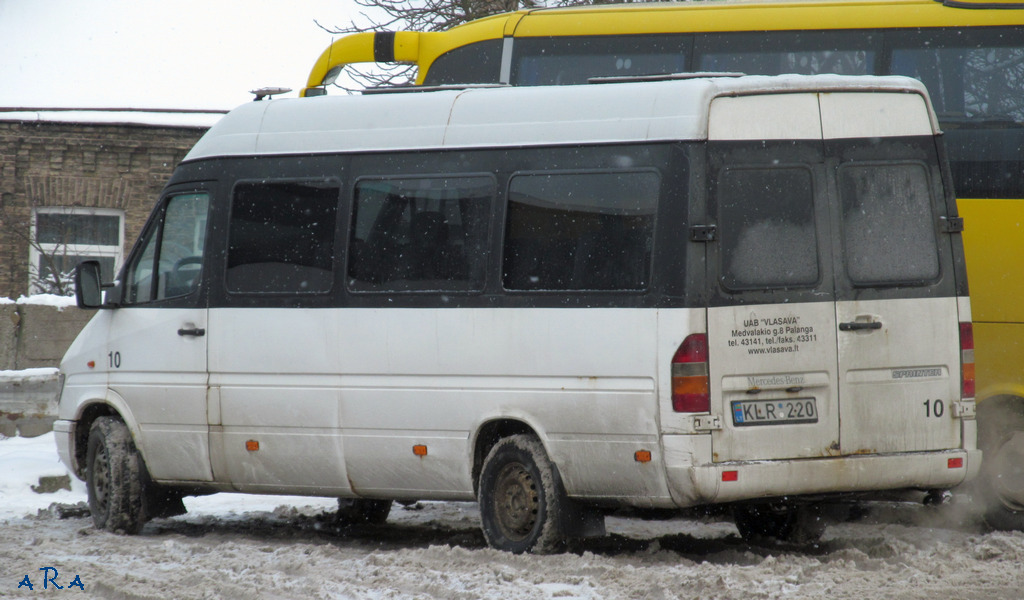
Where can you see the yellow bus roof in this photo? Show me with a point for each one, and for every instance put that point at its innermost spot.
(423, 48)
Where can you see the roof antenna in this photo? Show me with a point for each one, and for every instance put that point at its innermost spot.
(268, 92)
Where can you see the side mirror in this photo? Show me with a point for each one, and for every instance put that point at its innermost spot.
(88, 286)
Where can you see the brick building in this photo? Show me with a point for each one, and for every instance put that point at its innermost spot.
(80, 184)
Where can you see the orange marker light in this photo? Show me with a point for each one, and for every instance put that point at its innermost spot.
(91, 364)
(419, 450)
(730, 475)
(642, 456)
(252, 445)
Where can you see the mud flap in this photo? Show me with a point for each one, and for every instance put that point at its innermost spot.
(578, 520)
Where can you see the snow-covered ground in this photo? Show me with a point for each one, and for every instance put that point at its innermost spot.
(253, 547)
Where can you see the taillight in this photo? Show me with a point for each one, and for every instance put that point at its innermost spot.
(967, 360)
(690, 375)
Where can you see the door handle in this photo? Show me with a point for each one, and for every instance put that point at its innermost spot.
(194, 332)
(859, 325)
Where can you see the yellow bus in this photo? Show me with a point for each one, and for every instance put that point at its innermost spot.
(969, 55)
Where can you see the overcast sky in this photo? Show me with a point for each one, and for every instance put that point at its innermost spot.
(158, 53)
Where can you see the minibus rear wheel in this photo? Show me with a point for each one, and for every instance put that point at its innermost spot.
(521, 497)
(114, 477)
(1001, 483)
(799, 524)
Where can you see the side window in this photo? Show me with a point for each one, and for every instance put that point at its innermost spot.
(766, 225)
(479, 62)
(888, 224)
(803, 52)
(970, 75)
(171, 259)
(420, 234)
(558, 60)
(975, 78)
(281, 237)
(580, 231)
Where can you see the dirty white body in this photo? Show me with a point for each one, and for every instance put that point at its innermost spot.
(337, 398)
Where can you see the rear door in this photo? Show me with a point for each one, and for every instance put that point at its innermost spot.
(899, 359)
(771, 318)
(833, 327)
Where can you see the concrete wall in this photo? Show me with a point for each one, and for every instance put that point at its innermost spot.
(33, 336)
(28, 403)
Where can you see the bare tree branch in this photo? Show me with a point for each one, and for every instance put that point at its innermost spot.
(421, 15)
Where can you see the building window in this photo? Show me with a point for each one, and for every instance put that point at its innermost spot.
(62, 237)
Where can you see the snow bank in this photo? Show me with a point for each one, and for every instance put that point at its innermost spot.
(23, 461)
(232, 546)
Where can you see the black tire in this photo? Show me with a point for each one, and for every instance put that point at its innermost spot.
(521, 498)
(793, 524)
(362, 511)
(115, 478)
(1001, 483)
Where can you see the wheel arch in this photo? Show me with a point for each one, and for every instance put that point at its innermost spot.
(110, 406)
(490, 433)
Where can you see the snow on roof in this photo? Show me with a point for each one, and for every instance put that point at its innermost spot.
(507, 116)
(114, 116)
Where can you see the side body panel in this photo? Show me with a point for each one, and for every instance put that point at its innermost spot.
(370, 384)
(162, 378)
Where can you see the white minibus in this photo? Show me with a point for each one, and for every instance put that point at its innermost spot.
(665, 293)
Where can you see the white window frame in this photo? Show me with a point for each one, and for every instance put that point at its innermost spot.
(36, 249)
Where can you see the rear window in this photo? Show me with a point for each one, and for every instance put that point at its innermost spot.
(888, 224)
(766, 218)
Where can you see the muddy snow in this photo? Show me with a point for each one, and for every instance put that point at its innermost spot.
(233, 546)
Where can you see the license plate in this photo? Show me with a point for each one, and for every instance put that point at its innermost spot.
(746, 413)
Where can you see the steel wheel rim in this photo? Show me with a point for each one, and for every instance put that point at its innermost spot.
(516, 501)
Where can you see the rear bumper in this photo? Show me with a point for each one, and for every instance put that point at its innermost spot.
(692, 484)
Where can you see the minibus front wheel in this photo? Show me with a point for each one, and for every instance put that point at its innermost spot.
(521, 498)
(114, 477)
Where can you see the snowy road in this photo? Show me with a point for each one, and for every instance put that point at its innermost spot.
(242, 547)
(437, 551)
